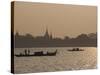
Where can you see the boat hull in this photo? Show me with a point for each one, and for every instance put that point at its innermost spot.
(37, 54)
(76, 50)
(33, 55)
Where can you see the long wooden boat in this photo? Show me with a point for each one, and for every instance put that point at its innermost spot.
(37, 54)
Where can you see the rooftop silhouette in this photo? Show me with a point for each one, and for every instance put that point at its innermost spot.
(27, 41)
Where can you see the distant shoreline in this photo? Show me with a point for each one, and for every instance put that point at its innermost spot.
(28, 41)
(54, 46)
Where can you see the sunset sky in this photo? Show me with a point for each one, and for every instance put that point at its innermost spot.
(60, 19)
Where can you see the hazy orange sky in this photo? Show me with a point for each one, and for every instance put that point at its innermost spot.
(61, 20)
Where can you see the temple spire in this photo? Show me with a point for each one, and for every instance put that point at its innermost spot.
(46, 34)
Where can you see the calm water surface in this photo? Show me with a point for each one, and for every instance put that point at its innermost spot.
(64, 60)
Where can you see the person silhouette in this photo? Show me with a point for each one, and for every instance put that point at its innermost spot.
(28, 52)
(25, 52)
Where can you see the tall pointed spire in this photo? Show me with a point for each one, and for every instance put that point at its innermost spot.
(47, 31)
(46, 34)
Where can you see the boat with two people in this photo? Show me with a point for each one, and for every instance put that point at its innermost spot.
(76, 49)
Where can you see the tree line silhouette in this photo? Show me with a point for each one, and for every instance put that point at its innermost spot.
(28, 41)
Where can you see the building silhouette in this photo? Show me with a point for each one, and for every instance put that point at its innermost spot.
(82, 40)
(47, 36)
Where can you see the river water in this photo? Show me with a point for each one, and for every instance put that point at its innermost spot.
(63, 61)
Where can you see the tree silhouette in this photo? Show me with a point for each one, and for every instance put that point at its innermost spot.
(86, 40)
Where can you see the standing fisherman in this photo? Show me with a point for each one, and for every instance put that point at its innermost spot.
(25, 52)
(28, 52)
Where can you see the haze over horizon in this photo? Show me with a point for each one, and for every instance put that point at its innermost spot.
(60, 19)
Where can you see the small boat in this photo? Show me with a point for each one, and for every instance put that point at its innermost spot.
(76, 49)
(37, 54)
